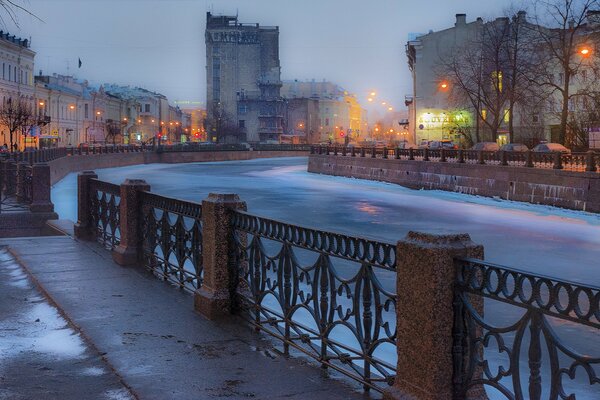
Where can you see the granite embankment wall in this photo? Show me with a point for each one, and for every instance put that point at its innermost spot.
(61, 167)
(567, 189)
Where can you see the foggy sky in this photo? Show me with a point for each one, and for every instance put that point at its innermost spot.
(159, 44)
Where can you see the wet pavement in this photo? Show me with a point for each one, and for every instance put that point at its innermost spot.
(149, 333)
(42, 356)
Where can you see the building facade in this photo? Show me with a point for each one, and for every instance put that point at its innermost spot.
(494, 110)
(243, 81)
(17, 61)
(331, 114)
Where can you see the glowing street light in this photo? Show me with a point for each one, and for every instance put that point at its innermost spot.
(370, 99)
(390, 108)
(72, 107)
(585, 51)
(373, 93)
(41, 104)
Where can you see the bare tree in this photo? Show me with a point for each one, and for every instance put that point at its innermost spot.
(221, 124)
(18, 116)
(113, 130)
(12, 8)
(477, 71)
(561, 35)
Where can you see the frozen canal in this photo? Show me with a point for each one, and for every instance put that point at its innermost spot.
(540, 239)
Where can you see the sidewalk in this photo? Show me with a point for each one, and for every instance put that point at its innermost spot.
(149, 333)
(41, 356)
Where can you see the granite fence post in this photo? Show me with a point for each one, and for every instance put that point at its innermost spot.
(83, 228)
(10, 177)
(40, 189)
(21, 181)
(590, 164)
(128, 250)
(215, 298)
(425, 314)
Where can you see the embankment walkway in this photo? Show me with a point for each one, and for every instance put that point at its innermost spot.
(148, 332)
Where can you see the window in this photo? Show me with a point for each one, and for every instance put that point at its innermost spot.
(242, 109)
(326, 121)
(506, 116)
(535, 118)
(9, 73)
(15, 74)
(484, 114)
(497, 80)
(86, 110)
(147, 108)
(241, 124)
(3, 70)
(561, 78)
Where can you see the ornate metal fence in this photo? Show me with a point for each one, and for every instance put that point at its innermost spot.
(172, 240)
(104, 212)
(320, 293)
(580, 162)
(527, 356)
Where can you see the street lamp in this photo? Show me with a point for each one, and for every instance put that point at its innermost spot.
(585, 51)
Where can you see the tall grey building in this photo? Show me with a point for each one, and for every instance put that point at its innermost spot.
(243, 81)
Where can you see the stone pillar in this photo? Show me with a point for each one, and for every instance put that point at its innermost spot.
(82, 228)
(590, 162)
(130, 206)
(40, 189)
(214, 298)
(557, 160)
(503, 158)
(425, 314)
(10, 177)
(529, 159)
(21, 181)
(480, 158)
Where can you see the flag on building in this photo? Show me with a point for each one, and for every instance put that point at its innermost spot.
(80, 63)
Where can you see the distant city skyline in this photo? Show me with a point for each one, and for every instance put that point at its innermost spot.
(159, 44)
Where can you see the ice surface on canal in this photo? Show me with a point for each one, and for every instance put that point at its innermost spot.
(542, 239)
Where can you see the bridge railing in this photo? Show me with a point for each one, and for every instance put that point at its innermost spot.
(579, 162)
(406, 318)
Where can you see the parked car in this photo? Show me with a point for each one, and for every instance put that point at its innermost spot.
(551, 148)
(514, 147)
(442, 144)
(486, 146)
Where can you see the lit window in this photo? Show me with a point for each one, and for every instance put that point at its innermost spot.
(506, 116)
(497, 79)
(484, 114)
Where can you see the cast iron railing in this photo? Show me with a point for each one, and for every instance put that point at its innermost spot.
(172, 239)
(320, 293)
(579, 162)
(104, 212)
(527, 356)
